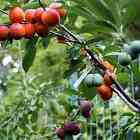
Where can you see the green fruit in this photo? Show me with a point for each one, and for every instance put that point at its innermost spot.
(133, 49)
(124, 59)
(93, 80)
(135, 46)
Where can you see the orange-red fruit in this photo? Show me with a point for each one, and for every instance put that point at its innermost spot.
(107, 80)
(105, 92)
(59, 7)
(17, 31)
(30, 15)
(50, 17)
(29, 30)
(41, 29)
(16, 15)
(4, 32)
(38, 14)
(108, 65)
(62, 12)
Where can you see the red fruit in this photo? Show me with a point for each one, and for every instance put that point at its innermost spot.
(50, 17)
(4, 32)
(41, 29)
(60, 132)
(107, 80)
(59, 7)
(16, 15)
(62, 12)
(105, 92)
(38, 14)
(71, 128)
(29, 30)
(17, 31)
(108, 65)
(30, 15)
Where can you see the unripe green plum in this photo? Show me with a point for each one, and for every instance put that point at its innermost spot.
(133, 49)
(124, 59)
(135, 46)
(93, 80)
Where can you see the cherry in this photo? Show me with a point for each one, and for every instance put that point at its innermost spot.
(50, 17)
(41, 29)
(105, 92)
(108, 65)
(30, 15)
(38, 14)
(16, 15)
(17, 31)
(71, 128)
(59, 7)
(29, 30)
(107, 80)
(4, 32)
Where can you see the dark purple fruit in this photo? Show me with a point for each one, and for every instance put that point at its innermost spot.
(86, 114)
(71, 128)
(85, 106)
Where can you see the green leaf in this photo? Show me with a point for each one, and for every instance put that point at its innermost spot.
(29, 54)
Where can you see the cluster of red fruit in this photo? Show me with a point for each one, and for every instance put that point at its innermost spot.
(27, 23)
(72, 128)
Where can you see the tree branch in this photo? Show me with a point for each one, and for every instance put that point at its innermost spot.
(134, 105)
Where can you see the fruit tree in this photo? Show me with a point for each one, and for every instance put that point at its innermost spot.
(69, 70)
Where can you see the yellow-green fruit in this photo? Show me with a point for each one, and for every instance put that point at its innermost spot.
(124, 59)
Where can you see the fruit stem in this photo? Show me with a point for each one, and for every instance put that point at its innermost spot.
(64, 36)
(75, 115)
(2, 11)
(42, 5)
(71, 34)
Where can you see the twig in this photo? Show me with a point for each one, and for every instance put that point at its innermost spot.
(75, 115)
(71, 34)
(41, 4)
(134, 105)
(125, 98)
(64, 36)
(2, 11)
